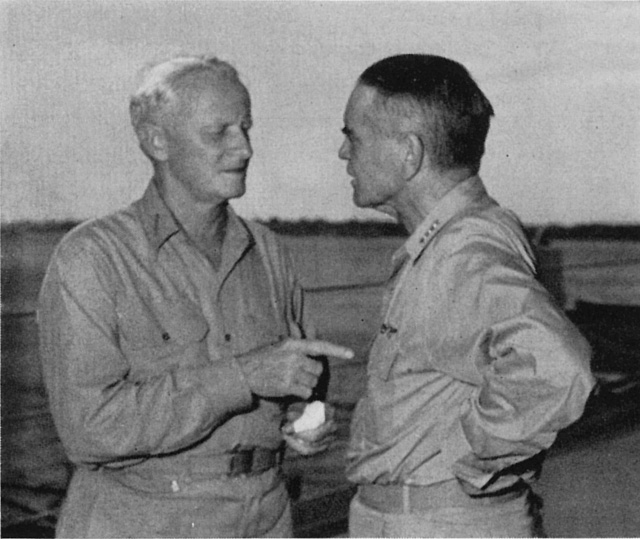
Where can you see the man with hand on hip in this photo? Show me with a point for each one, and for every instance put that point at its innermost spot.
(474, 369)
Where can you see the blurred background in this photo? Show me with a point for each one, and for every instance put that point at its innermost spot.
(564, 79)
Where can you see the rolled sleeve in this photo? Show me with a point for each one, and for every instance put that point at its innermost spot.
(533, 372)
(475, 369)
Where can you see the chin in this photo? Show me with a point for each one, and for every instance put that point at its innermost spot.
(237, 189)
(239, 194)
(360, 202)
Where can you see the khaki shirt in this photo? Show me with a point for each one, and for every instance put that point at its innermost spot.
(139, 336)
(474, 369)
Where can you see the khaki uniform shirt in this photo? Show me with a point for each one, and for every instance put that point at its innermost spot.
(474, 369)
(139, 336)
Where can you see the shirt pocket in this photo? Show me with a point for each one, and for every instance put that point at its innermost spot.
(158, 339)
(398, 354)
(412, 359)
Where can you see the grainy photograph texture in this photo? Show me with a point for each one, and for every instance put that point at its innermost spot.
(563, 80)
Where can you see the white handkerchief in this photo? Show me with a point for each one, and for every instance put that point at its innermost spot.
(311, 418)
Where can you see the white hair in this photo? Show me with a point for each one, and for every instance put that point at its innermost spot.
(162, 83)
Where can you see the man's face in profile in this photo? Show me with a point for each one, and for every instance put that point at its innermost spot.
(371, 153)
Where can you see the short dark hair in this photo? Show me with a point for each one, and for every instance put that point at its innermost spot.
(443, 101)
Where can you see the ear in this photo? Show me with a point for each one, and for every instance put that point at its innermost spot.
(153, 141)
(413, 154)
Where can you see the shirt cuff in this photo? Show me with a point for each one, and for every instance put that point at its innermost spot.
(229, 387)
(476, 476)
(465, 466)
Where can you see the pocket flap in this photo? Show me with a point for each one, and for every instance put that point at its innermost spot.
(182, 322)
(174, 321)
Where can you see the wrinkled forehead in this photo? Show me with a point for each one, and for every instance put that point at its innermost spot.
(211, 89)
(365, 109)
(208, 93)
(361, 101)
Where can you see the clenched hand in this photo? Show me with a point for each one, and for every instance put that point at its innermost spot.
(287, 368)
(314, 440)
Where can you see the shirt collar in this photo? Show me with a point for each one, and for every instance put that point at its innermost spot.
(158, 222)
(455, 201)
(160, 225)
(238, 237)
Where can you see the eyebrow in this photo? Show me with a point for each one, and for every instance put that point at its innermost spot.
(346, 131)
(218, 125)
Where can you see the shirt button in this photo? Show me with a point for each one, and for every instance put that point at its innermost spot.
(165, 336)
(227, 337)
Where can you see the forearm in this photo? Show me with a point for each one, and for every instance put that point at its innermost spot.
(528, 367)
(126, 420)
(536, 383)
(106, 411)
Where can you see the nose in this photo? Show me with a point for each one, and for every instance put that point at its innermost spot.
(344, 151)
(241, 143)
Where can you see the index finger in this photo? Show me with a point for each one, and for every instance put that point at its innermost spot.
(325, 348)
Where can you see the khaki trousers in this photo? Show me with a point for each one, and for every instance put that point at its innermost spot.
(517, 517)
(245, 506)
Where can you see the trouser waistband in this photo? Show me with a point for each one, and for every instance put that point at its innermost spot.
(242, 462)
(421, 499)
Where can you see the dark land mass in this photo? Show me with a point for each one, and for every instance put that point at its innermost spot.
(592, 482)
(318, 227)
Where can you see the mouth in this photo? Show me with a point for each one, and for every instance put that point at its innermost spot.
(238, 170)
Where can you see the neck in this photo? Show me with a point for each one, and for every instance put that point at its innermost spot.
(204, 223)
(422, 195)
(195, 216)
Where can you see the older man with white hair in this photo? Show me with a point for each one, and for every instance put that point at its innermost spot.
(172, 335)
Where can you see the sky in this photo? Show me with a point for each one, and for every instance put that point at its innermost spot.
(563, 78)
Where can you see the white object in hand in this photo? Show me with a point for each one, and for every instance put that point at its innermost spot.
(311, 418)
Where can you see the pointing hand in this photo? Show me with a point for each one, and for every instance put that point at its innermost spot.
(287, 368)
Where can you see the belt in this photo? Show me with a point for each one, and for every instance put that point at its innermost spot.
(254, 460)
(156, 475)
(422, 499)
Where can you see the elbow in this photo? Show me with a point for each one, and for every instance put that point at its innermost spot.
(95, 438)
(92, 447)
(575, 378)
(579, 362)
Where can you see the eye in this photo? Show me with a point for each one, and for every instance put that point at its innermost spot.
(349, 135)
(214, 134)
